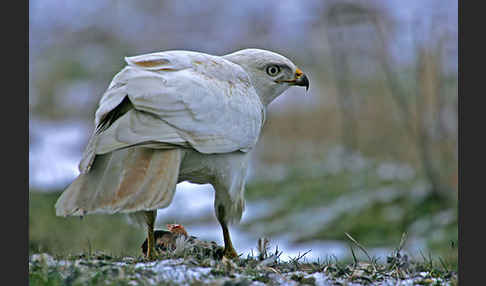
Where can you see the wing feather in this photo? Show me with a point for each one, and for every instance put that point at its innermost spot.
(181, 98)
(128, 180)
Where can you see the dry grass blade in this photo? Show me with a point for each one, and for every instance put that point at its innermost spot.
(402, 242)
(358, 245)
(355, 260)
(362, 249)
(299, 257)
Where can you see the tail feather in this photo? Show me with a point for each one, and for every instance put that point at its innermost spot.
(126, 180)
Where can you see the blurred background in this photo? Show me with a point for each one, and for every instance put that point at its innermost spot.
(371, 149)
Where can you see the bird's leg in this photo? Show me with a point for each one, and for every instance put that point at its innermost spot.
(150, 220)
(229, 251)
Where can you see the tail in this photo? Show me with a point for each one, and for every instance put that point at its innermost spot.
(127, 180)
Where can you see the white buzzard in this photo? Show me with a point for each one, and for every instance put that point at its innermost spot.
(176, 116)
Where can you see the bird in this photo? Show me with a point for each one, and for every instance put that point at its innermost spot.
(166, 239)
(175, 116)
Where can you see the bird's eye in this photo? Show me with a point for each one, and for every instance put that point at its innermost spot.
(273, 70)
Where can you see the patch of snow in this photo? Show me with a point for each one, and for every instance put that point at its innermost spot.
(43, 257)
(54, 153)
(175, 271)
(321, 279)
(395, 171)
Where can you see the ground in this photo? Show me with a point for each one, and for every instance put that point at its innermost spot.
(191, 267)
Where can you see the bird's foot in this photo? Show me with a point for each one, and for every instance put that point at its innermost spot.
(150, 257)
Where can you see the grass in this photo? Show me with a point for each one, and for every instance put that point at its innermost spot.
(191, 267)
(372, 209)
(68, 260)
(64, 236)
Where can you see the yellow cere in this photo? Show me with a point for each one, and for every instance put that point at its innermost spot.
(298, 72)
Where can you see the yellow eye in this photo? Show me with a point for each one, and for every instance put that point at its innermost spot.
(273, 70)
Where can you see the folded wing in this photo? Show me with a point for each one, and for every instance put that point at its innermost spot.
(178, 99)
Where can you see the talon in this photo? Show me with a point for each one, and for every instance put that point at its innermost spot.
(150, 257)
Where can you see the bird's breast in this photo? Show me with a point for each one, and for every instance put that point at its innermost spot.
(202, 168)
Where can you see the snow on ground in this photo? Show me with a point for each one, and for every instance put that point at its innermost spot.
(55, 149)
(186, 272)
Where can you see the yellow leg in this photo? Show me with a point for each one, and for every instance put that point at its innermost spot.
(150, 220)
(229, 251)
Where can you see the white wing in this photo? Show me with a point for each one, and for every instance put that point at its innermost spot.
(180, 98)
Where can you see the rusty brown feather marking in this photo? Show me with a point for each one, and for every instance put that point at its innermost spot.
(148, 181)
(159, 175)
(141, 159)
(166, 69)
(152, 63)
(231, 86)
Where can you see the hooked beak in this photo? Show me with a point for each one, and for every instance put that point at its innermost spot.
(302, 81)
(299, 80)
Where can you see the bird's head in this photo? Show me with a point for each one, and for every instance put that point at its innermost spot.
(270, 73)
